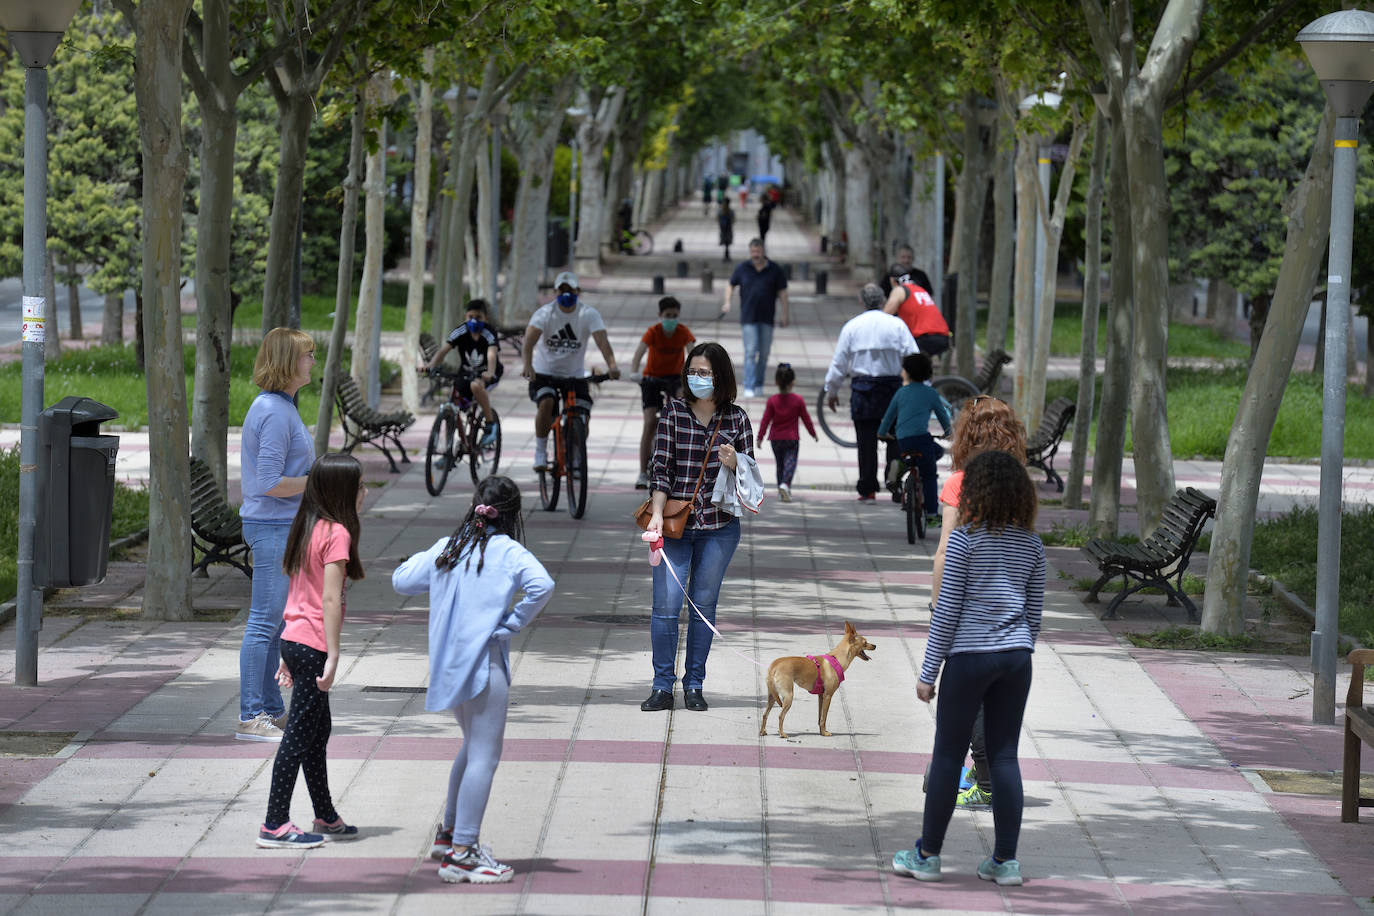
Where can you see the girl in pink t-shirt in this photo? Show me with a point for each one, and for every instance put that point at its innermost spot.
(321, 552)
(782, 412)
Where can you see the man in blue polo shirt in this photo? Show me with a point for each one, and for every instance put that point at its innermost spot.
(762, 285)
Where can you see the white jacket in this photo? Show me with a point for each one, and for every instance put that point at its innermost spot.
(739, 489)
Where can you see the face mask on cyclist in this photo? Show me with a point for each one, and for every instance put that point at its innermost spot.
(669, 326)
(475, 325)
(701, 387)
(567, 301)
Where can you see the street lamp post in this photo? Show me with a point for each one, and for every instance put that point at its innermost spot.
(1030, 102)
(576, 115)
(1340, 47)
(35, 28)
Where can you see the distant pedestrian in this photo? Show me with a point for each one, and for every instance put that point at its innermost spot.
(765, 218)
(726, 219)
(743, 195)
(782, 412)
(665, 343)
(911, 302)
(983, 632)
(762, 287)
(706, 185)
(321, 553)
(869, 353)
(277, 453)
(471, 577)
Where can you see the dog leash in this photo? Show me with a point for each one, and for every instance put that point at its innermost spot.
(673, 572)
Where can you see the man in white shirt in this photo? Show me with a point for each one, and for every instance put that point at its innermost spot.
(555, 344)
(869, 352)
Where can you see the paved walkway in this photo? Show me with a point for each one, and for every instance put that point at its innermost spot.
(1145, 770)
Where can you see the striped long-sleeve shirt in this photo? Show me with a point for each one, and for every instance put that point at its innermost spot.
(991, 595)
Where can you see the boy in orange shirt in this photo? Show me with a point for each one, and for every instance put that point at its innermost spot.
(666, 342)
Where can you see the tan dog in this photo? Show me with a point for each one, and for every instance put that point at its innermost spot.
(825, 672)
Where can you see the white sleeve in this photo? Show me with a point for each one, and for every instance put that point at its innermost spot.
(839, 365)
(594, 321)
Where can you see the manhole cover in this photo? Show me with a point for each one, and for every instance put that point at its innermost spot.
(374, 689)
(617, 620)
(1304, 783)
(33, 744)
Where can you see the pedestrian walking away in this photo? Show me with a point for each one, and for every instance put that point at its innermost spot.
(472, 577)
(726, 220)
(983, 632)
(277, 452)
(665, 343)
(321, 554)
(781, 413)
(698, 435)
(765, 217)
(869, 353)
(762, 289)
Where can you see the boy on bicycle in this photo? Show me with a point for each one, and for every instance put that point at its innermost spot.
(555, 343)
(909, 414)
(479, 352)
(666, 344)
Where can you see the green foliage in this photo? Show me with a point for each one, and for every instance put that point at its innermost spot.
(1191, 638)
(1185, 340)
(317, 310)
(1063, 534)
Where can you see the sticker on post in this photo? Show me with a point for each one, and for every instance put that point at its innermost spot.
(34, 330)
(1333, 280)
(33, 307)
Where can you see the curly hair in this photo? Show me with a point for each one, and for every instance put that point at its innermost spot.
(986, 423)
(496, 494)
(997, 492)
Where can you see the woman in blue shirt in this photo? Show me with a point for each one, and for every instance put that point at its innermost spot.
(276, 454)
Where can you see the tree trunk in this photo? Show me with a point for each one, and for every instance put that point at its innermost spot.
(214, 312)
(1104, 506)
(592, 135)
(112, 324)
(52, 340)
(443, 212)
(343, 291)
(537, 130)
(1023, 297)
(364, 363)
(922, 232)
(1004, 233)
(968, 230)
(1304, 253)
(1092, 290)
(294, 113)
(419, 235)
(74, 304)
(858, 208)
(157, 83)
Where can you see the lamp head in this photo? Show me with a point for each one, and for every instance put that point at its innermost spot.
(35, 27)
(1340, 47)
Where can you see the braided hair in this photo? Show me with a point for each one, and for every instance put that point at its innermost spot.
(495, 509)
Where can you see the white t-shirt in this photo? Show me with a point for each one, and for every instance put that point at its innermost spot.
(563, 338)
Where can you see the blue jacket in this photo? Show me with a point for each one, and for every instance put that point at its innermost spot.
(275, 444)
(470, 615)
(910, 410)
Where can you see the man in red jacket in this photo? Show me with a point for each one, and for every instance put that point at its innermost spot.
(912, 303)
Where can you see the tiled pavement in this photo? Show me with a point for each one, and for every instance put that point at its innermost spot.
(1141, 766)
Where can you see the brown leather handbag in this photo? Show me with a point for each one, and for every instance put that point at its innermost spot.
(676, 512)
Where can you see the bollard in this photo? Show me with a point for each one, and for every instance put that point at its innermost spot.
(658, 284)
(822, 279)
(682, 268)
(677, 247)
(787, 271)
(806, 270)
(706, 278)
(825, 243)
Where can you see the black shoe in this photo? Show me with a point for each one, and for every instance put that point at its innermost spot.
(659, 700)
(693, 700)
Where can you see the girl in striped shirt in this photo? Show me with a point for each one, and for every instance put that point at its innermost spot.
(982, 631)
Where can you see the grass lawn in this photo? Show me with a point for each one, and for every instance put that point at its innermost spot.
(1186, 340)
(317, 310)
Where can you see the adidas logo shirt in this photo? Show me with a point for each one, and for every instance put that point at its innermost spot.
(563, 339)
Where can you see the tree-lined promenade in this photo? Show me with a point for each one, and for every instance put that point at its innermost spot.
(308, 148)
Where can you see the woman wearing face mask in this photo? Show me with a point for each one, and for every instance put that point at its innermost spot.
(697, 435)
(666, 344)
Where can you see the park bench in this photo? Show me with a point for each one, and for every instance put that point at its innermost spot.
(362, 424)
(1161, 557)
(1043, 444)
(428, 347)
(991, 372)
(216, 530)
(1359, 729)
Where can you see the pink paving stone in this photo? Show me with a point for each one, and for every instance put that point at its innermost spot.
(601, 751)
(618, 877)
(893, 762)
(962, 892)
(19, 774)
(108, 875)
(697, 880)
(808, 758)
(325, 875)
(399, 747)
(713, 755)
(1346, 849)
(21, 873)
(856, 887)
(264, 873)
(1165, 899)
(1198, 777)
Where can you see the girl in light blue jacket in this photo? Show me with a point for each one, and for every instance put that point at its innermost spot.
(472, 578)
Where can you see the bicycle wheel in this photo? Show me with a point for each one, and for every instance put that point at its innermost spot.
(642, 242)
(575, 450)
(439, 453)
(483, 460)
(551, 479)
(956, 390)
(838, 425)
(915, 512)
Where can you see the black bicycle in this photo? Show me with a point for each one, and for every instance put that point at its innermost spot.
(838, 425)
(458, 431)
(569, 458)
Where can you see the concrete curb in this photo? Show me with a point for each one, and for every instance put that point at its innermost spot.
(1289, 599)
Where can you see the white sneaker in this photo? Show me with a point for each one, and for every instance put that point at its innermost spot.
(259, 729)
(784, 493)
(541, 455)
(749, 393)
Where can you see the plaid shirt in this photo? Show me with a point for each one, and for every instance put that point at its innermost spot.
(679, 449)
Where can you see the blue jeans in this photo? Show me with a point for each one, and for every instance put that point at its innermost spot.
(260, 653)
(1000, 682)
(758, 340)
(699, 558)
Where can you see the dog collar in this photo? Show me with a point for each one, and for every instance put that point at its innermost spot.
(820, 680)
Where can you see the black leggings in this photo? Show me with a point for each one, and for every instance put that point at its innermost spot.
(304, 740)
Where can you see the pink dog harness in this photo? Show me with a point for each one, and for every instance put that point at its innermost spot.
(820, 681)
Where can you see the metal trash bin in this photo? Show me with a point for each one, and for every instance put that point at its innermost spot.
(76, 473)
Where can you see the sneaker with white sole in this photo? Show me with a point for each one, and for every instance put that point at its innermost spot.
(443, 843)
(288, 836)
(280, 721)
(784, 493)
(476, 866)
(911, 863)
(489, 437)
(974, 797)
(541, 455)
(335, 831)
(1006, 874)
(260, 729)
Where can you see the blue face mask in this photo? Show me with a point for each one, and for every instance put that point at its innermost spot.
(669, 326)
(567, 301)
(701, 387)
(475, 325)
